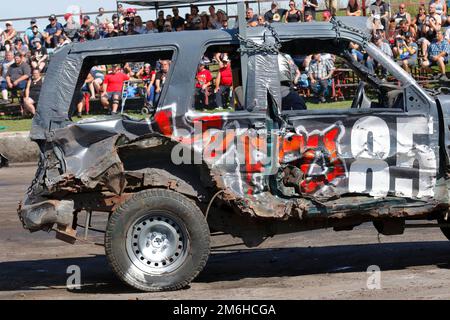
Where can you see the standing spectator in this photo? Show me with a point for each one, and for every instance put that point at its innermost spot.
(39, 56)
(381, 8)
(275, 13)
(441, 9)
(160, 21)
(87, 23)
(319, 73)
(161, 78)
(112, 88)
(332, 6)
(117, 23)
(29, 35)
(407, 51)
(430, 29)
(223, 83)
(311, 6)
(222, 19)
(177, 21)
(402, 14)
(353, 8)
(54, 30)
(32, 91)
(213, 19)
(18, 73)
(37, 36)
(438, 54)
(92, 34)
(101, 20)
(293, 14)
(71, 28)
(9, 60)
(202, 85)
(196, 21)
(205, 21)
(8, 36)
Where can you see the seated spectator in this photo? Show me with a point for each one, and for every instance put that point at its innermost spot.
(289, 79)
(223, 84)
(419, 21)
(432, 24)
(177, 21)
(327, 16)
(148, 76)
(308, 17)
(98, 76)
(53, 30)
(37, 36)
(381, 8)
(32, 91)
(112, 88)
(402, 14)
(353, 8)
(150, 27)
(87, 23)
(29, 34)
(275, 14)
(384, 46)
(293, 14)
(131, 31)
(167, 26)
(62, 41)
(202, 85)
(407, 51)
(261, 20)
(92, 33)
(9, 60)
(8, 36)
(20, 47)
(441, 9)
(205, 21)
(251, 18)
(71, 28)
(332, 6)
(139, 25)
(311, 6)
(18, 74)
(117, 22)
(160, 21)
(355, 50)
(320, 72)
(161, 78)
(438, 55)
(39, 56)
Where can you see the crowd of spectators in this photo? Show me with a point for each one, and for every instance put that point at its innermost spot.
(414, 41)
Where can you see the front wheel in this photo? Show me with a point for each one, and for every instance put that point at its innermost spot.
(158, 240)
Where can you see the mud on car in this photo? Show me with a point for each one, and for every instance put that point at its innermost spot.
(254, 170)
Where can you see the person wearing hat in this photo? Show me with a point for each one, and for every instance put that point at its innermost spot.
(54, 31)
(406, 50)
(29, 35)
(8, 36)
(223, 84)
(71, 28)
(203, 81)
(327, 16)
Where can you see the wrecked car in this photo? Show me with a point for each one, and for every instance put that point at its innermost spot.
(257, 169)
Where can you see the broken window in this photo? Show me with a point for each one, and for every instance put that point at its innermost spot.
(122, 83)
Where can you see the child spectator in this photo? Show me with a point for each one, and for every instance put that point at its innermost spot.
(202, 85)
(148, 76)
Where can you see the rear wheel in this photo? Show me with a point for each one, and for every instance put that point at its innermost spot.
(157, 240)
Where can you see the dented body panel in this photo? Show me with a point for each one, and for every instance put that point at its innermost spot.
(324, 166)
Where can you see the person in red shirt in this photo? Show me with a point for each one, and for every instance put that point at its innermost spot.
(223, 84)
(112, 88)
(202, 85)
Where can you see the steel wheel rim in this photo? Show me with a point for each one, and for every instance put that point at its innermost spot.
(157, 243)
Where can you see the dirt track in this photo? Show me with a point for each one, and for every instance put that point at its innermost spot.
(310, 265)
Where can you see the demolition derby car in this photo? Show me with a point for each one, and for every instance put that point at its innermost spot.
(258, 167)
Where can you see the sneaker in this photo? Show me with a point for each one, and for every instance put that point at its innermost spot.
(444, 78)
(323, 100)
(79, 115)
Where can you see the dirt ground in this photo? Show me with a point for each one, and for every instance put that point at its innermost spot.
(310, 265)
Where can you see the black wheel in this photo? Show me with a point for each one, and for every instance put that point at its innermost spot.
(158, 240)
(445, 230)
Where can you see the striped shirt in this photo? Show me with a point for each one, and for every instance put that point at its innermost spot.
(320, 70)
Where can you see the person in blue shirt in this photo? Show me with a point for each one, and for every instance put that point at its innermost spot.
(29, 35)
(54, 30)
(438, 53)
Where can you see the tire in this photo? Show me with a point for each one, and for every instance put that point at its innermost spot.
(158, 240)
